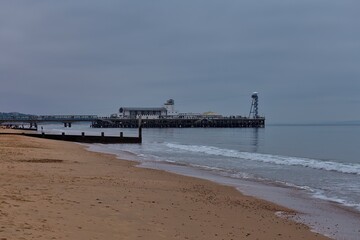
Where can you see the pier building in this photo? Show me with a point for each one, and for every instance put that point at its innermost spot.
(148, 113)
(167, 111)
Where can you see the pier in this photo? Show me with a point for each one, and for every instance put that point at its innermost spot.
(106, 122)
(168, 117)
(230, 122)
(34, 120)
(155, 117)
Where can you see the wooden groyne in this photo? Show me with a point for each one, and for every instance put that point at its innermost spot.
(180, 123)
(84, 138)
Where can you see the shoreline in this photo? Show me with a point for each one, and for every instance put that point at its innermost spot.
(319, 215)
(59, 190)
(322, 216)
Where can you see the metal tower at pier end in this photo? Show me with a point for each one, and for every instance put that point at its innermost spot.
(254, 106)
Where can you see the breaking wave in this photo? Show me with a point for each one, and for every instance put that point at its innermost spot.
(272, 159)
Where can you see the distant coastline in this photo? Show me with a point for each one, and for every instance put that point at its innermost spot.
(344, 123)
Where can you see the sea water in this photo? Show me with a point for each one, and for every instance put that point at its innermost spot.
(312, 169)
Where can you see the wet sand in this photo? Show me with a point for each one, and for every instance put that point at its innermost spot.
(59, 190)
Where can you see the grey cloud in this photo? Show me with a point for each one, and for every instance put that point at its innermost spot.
(94, 56)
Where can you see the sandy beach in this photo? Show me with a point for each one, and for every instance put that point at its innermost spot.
(59, 190)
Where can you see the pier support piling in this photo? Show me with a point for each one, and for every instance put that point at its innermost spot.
(140, 132)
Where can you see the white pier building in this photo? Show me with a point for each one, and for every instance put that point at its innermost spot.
(168, 110)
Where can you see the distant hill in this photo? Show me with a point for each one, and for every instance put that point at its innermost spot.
(13, 114)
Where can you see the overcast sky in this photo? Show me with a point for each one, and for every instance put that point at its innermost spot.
(91, 57)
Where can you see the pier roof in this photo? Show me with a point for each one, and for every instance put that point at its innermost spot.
(144, 108)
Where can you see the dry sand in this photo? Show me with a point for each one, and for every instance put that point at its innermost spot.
(58, 190)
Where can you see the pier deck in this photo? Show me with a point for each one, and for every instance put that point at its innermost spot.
(106, 122)
(180, 123)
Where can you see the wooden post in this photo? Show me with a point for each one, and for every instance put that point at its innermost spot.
(139, 123)
(140, 128)
(140, 133)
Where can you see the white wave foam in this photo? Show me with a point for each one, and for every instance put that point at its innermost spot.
(273, 159)
(321, 195)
